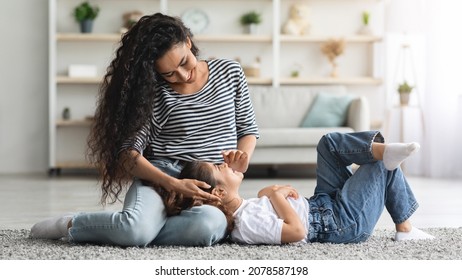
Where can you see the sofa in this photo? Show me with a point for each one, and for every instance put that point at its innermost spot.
(287, 136)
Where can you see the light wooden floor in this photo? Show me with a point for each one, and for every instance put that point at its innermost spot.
(26, 199)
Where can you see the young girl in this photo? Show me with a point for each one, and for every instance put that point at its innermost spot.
(160, 107)
(345, 207)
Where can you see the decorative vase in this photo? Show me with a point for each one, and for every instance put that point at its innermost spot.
(365, 30)
(334, 72)
(86, 26)
(404, 98)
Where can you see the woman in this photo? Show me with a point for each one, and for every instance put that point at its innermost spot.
(345, 207)
(159, 108)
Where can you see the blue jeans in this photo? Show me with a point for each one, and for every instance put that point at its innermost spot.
(143, 220)
(346, 207)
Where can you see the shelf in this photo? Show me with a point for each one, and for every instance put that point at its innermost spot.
(259, 81)
(90, 37)
(236, 38)
(73, 123)
(115, 37)
(320, 39)
(72, 80)
(331, 81)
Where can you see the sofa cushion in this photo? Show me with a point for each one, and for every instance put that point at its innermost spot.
(287, 137)
(285, 107)
(327, 111)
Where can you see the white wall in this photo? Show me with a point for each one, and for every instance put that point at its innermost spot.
(24, 91)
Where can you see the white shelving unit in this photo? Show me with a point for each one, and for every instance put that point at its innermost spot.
(223, 38)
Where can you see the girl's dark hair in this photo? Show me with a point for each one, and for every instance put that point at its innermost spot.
(126, 98)
(175, 202)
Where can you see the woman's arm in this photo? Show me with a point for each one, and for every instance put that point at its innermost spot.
(140, 167)
(292, 228)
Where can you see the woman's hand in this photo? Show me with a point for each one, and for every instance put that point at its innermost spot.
(236, 160)
(191, 188)
(145, 170)
(285, 190)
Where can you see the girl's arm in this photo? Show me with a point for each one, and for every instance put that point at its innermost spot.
(247, 144)
(239, 159)
(292, 228)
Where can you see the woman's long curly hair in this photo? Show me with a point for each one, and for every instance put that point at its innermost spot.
(175, 202)
(126, 96)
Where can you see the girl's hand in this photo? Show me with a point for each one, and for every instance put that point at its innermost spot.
(236, 160)
(192, 188)
(285, 190)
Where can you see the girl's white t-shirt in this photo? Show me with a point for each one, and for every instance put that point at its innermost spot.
(256, 221)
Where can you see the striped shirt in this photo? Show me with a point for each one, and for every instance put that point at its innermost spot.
(199, 126)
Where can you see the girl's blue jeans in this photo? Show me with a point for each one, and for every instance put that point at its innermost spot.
(346, 207)
(143, 220)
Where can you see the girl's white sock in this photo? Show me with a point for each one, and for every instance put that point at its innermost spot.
(414, 234)
(53, 228)
(395, 153)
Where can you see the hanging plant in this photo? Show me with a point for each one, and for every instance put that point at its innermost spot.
(404, 91)
(405, 88)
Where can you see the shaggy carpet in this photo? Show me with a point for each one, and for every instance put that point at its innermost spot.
(16, 245)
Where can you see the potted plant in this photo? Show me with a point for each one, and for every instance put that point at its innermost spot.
(66, 113)
(85, 14)
(295, 72)
(404, 90)
(365, 29)
(250, 21)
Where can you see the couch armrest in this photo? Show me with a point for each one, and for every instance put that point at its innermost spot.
(358, 114)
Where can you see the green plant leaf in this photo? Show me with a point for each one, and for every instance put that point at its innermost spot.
(85, 11)
(250, 17)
